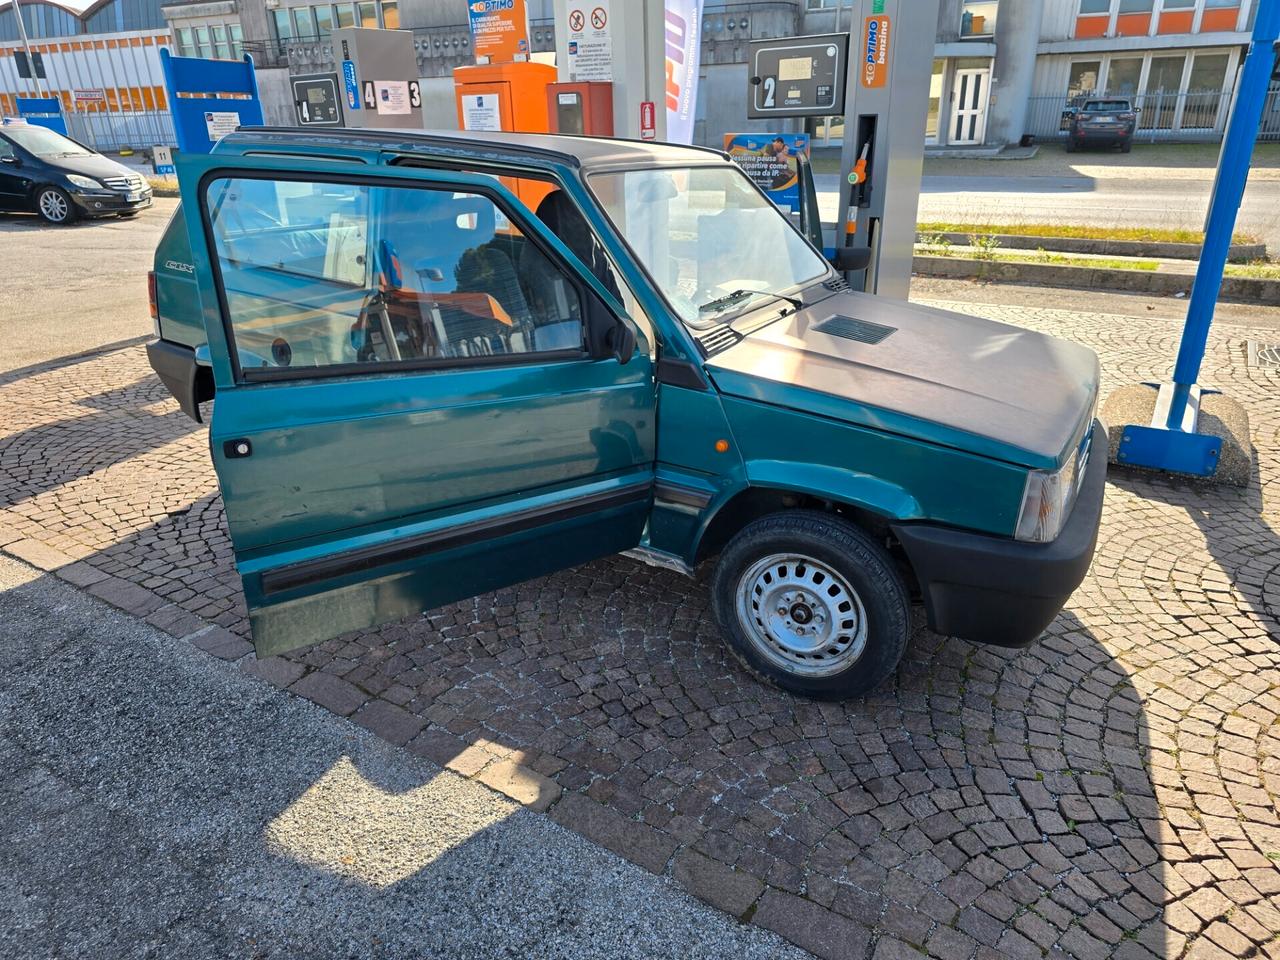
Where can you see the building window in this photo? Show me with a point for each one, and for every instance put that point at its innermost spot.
(186, 45)
(237, 40)
(1123, 76)
(1084, 78)
(218, 34)
(1090, 7)
(391, 14)
(978, 18)
(203, 49)
(368, 14)
(324, 20)
(935, 100)
(345, 15)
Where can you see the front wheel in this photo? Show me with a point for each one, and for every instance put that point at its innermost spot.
(811, 604)
(54, 206)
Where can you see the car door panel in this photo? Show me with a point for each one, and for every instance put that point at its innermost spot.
(357, 494)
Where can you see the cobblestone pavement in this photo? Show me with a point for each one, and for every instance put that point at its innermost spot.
(1112, 791)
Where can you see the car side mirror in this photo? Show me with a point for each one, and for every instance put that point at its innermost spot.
(851, 259)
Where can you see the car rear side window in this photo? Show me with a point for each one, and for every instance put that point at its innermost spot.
(342, 275)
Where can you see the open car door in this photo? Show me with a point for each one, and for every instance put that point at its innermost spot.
(422, 395)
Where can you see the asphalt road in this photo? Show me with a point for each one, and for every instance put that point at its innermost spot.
(1119, 202)
(66, 290)
(156, 802)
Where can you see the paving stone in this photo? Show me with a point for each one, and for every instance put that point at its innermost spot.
(521, 784)
(635, 841)
(820, 931)
(275, 670)
(1146, 716)
(223, 644)
(389, 721)
(733, 891)
(330, 692)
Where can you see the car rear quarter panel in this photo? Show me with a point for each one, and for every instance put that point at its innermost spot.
(177, 297)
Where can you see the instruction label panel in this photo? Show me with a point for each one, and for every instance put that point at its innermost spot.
(590, 40)
(481, 111)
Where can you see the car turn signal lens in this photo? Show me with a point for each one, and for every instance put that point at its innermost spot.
(151, 294)
(722, 446)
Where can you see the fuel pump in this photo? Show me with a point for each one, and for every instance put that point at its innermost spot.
(882, 158)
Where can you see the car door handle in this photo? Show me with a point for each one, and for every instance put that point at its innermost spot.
(237, 449)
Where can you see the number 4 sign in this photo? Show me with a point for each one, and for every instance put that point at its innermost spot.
(370, 98)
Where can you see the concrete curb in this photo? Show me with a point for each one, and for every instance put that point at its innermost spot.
(825, 933)
(1117, 248)
(1242, 289)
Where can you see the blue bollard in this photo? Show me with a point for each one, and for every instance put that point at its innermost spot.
(1171, 442)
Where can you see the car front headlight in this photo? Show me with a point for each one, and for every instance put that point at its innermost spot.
(84, 183)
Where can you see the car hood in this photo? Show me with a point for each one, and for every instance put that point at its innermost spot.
(96, 166)
(942, 377)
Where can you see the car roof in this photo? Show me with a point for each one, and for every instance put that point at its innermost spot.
(590, 153)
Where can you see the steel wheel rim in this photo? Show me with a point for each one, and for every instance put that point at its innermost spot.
(801, 615)
(53, 206)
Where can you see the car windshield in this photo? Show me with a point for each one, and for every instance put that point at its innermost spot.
(1106, 106)
(42, 141)
(712, 243)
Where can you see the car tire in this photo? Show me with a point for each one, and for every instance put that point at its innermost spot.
(54, 206)
(1071, 146)
(811, 604)
(1126, 146)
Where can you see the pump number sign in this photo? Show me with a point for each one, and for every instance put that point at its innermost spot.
(798, 76)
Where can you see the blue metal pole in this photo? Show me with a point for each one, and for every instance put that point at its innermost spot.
(1233, 173)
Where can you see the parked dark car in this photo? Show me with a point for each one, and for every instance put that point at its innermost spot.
(1102, 122)
(61, 180)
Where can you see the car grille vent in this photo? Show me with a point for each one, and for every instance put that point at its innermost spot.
(862, 331)
(837, 285)
(123, 184)
(717, 340)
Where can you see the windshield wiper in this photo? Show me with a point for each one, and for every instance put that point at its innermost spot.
(720, 304)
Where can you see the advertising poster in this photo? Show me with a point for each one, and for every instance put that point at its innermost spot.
(499, 30)
(683, 48)
(590, 40)
(769, 159)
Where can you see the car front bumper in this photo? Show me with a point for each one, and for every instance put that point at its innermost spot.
(1002, 591)
(104, 204)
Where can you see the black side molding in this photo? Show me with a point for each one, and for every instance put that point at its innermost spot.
(680, 373)
(177, 369)
(667, 492)
(464, 534)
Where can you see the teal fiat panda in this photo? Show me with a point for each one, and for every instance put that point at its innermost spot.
(445, 363)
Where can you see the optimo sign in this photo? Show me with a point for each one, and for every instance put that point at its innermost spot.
(875, 52)
(499, 30)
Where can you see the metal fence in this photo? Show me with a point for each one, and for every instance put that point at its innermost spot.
(116, 129)
(1189, 115)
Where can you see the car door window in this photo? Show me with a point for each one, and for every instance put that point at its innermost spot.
(340, 275)
(6, 150)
